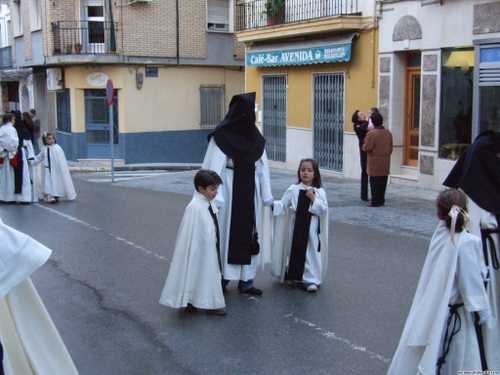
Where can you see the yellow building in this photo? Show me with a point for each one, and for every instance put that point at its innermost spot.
(312, 64)
(174, 66)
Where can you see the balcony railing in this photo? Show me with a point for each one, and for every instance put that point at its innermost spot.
(253, 14)
(6, 57)
(84, 37)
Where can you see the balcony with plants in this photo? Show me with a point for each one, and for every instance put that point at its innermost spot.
(81, 37)
(261, 19)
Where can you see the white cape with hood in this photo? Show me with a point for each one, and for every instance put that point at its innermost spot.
(31, 343)
(56, 179)
(451, 274)
(285, 209)
(217, 161)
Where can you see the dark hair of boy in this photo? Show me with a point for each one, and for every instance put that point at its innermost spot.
(445, 201)
(377, 119)
(317, 177)
(7, 117)
(205, 178)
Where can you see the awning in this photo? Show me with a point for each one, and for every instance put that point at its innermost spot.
(14, 74)
(317, 51)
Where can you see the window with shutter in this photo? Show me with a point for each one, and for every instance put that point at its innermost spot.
(218, 15)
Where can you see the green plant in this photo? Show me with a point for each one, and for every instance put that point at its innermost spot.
(273, 8)
(78, 45)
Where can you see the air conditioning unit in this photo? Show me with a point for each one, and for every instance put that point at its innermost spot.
(54, 79)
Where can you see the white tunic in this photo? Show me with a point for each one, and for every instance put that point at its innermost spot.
(195, 275)
(27, 187)
(29, 338)
(56, 179)
(217, 161)
(451, 274)
(316, 262)
(482, 219)
(9, 141)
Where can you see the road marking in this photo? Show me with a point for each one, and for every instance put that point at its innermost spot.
(90, 226)
(333, 336)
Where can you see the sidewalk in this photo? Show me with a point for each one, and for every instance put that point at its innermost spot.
(409, 211)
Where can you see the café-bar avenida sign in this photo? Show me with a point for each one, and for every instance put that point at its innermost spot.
(269, 56)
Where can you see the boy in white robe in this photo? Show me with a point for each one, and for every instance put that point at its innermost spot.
(440, 335)
(30, 341)
(194, 279)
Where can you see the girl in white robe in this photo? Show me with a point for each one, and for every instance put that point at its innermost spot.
(440, 336)
(302, 255)
(194, 279)
(56, 180)
(30, 341)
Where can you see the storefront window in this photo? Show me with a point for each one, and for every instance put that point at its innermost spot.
(489, 110)
(455, 125)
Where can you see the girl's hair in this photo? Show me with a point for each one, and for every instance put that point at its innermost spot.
(445, 201)
(317, 177)
(354, 117)
(44, 138)
(27, 119)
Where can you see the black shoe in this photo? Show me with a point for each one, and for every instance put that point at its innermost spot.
(252, 291)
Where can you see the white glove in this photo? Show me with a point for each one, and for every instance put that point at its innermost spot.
(484, 315)
(485, 273)
(268, 200)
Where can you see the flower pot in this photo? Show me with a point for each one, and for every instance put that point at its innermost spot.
(78, 49)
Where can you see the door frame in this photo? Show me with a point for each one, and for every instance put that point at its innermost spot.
(411, 136)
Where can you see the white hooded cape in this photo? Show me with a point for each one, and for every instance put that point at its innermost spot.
(195, 275)
(451, 274)
(31, 343)
(284, 210)
(56, 179)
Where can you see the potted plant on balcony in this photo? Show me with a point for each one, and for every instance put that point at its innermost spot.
(78, 48)
(68, 49)
(275, 12)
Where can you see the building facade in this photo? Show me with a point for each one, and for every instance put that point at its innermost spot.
(439, 82)
(143, 80)
(312, 63)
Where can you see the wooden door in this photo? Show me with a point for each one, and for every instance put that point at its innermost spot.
(412, 117)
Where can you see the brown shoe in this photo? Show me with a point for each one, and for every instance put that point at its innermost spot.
(221, 311)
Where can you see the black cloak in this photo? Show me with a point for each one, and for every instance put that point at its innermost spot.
(477, 172)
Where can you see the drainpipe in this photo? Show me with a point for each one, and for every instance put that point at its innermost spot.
(177, 28)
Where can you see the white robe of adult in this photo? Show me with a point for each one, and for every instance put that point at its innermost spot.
(217, 161)
(195, 275)
(451, 275)
(284, 209)
(26, 194)
(482, 219)
(31, 343)
(56, 179)
(9, 140)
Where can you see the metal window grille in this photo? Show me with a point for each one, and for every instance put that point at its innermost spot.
(212, 105)
(328, 121)
(63, 111)
(274, 116)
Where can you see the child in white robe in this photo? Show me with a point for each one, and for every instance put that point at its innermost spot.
(56, 180)
(300, 249)
(440, 334)
(195, 279)
(29, 341)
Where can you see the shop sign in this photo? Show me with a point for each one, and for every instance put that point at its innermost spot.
(97, 79)
(490, 55)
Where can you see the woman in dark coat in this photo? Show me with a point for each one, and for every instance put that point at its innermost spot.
(360, 125)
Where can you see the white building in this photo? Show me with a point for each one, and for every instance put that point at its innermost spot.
(439, 82)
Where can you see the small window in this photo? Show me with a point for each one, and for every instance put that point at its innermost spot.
(218, 15)
(35, 15)
(17, 18)
(212, 105)
(63, 111)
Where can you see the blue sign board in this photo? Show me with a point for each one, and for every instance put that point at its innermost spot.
(490, 55)
(301, 56)
(151, 72)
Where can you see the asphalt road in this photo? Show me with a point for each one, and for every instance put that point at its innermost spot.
(112, 248)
